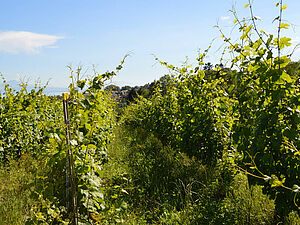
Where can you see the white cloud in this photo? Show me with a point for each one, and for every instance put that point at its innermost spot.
(23, 41)
(225, 18)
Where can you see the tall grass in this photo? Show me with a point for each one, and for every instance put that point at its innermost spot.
(17, 183)
(149, 183)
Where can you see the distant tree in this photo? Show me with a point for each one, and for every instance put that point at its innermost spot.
(124, 88)
(112, 87)
(293, 69)
(132, 95)
(144, 92)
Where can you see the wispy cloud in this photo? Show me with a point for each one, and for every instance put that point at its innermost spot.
(23, 41)
(225, 18)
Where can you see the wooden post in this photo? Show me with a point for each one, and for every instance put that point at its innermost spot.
(71, 202)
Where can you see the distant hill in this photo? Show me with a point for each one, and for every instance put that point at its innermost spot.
(50, 90)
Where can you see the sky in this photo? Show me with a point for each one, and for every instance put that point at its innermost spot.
(40, 38)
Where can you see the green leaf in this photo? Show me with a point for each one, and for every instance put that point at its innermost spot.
(284, 41)
(91, 146)
(276, 183)
(81, 84)
(284, 26)
(124, 205)
(284, 76)
(282, 61)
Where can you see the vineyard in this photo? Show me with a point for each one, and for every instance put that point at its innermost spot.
(206, 145)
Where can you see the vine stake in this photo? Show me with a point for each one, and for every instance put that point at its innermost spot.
(70, 173)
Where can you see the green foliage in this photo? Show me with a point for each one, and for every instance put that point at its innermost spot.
(112, 87)
(91, 123)
(160, 185)
(192, 115)
(148, 176)
(21, 197)
(17, 180)
(247, 116)
(246, 204)
(268, 115)
(26, 120)
(242, 205)
(33, 123)
(179, 150)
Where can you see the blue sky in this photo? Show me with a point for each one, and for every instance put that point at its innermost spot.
(39, 38)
